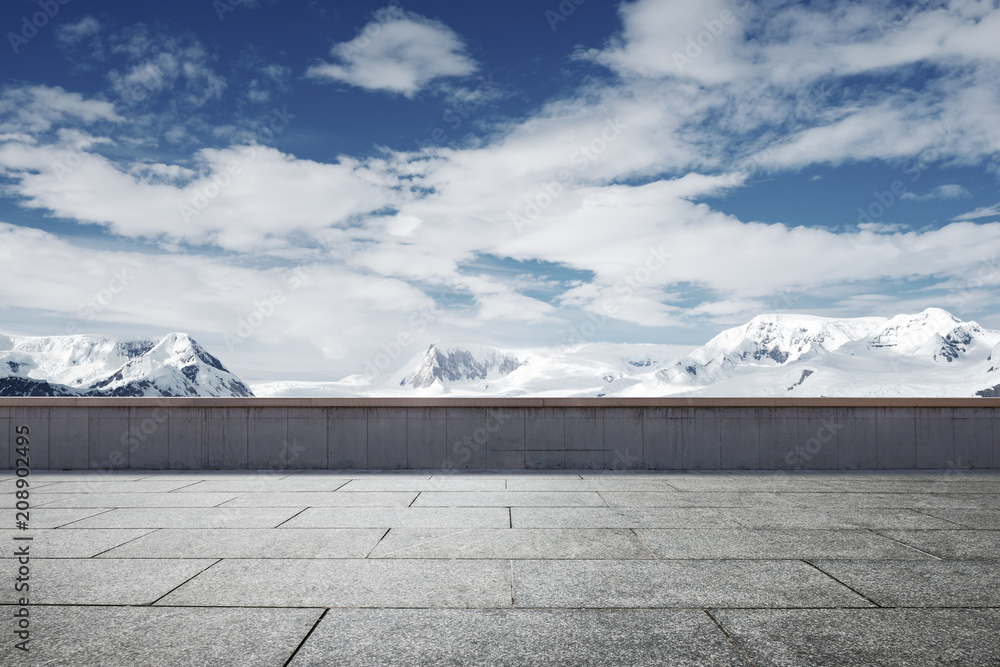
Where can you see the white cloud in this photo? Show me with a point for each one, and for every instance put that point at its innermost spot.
(157, 63)
(949, 191)
(398, 53)
(981, 212)
(677, 38)
(604, 184)
(71, 34)
(36, 109)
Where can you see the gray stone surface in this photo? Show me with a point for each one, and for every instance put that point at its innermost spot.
(349, 583)
(247, 543)
(264, 483)
(307, 441)
(467, 440)
(676, 583)
(168, 636)
(684, 499)
(701, 440)
(267, 438)
(869, 637)
(403, 517)
(227, 430)
(575, 483)
(929, 583)
(102, 485)
(37, 421)
(323, 499)
(773, 544)
(5, 442)
(661, 440)
(979, 518)
(132, 499)
(917, 501)
(508, 499)
(69, 543)
(554, 543)
(426, 439)
(189, 517)
(435, 483)
(108, 438)
(971, 544)
(740, 447)
(615, 517)
(104, 581)
(347, 438)
(517, 638)
(895, 438)
(512, 567)
(387, 431)
(49, 518)
(791, 517)
(856, 438)
(624, 444)
(69, 429)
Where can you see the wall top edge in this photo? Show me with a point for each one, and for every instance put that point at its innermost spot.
(38, 402)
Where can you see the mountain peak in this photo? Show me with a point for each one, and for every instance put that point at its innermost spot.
(445, 363)
(86, 364)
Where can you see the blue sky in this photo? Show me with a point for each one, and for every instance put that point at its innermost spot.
(304, 185)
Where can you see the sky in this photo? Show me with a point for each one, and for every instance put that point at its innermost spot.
(306, 187)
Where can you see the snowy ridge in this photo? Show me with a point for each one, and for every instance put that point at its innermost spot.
(931, 354)
(90, 365)
(446, 364)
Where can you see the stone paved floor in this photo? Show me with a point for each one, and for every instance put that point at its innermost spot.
(418, 568)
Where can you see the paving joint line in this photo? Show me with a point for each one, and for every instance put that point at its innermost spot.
(106, 510)
(954, 523)
(639, 537)
(512, 606)
(290, 518)
(730, 638)
(197, 481)
(851, 588)
(377, 543)
(184, 582)
(908, 546)
(414, 498)
(126, 542)
(306, 638)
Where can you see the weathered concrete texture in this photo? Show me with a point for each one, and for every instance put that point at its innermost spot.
(349, 583)
(268, 435)
(486, 637)
(131, 636)
(510, 568)
(847, 638)
(676, 583)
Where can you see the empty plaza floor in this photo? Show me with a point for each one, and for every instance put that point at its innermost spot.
(502, 568)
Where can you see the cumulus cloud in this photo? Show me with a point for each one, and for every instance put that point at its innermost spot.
(398, 53)
(606, 184)
(36, 109)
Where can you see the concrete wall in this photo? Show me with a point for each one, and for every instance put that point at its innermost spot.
(468, 434)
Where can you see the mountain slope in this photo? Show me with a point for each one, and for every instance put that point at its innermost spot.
(928, 354)
(90, 365)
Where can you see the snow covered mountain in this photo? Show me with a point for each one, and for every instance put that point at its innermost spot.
(90, 365)
(449, 364)
(930, 354)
